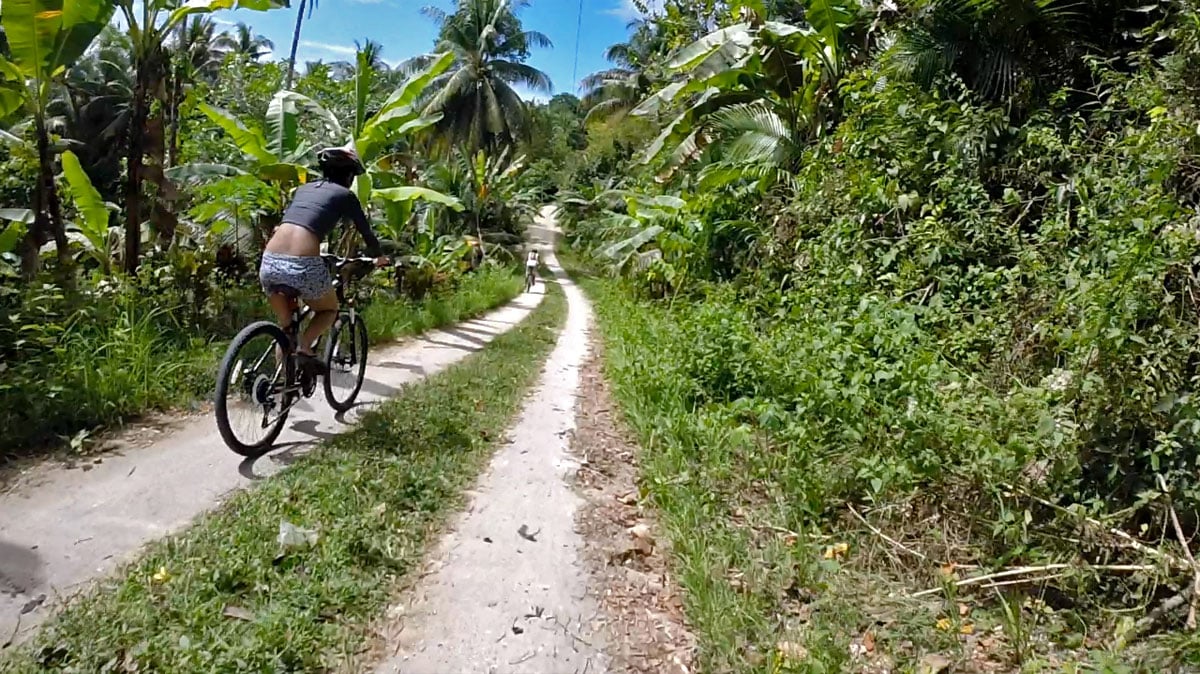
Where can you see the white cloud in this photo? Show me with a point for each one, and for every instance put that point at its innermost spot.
(627, 11)
(223, 22)
(339, 49)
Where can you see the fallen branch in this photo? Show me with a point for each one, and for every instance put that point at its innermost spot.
(1183, 542)
(1021, 581)
(1126, 539)
(1023, 570)
(875, 530)
(1167, 606)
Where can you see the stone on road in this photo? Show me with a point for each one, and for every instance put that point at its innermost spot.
(507, 590)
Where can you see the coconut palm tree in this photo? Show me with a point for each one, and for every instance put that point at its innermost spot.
(252, 46)
(202, 48)
(616, 91)
(305, 5)
(477, 101)
(91, 109)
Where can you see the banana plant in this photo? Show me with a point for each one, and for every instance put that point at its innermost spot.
(379, 140)
(92, 230)
(275, 153)
(398, 118)
(149, 23)
(45, 37)
(18, 220)
(751, 95)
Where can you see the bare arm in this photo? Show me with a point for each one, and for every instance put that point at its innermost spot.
(354, 211)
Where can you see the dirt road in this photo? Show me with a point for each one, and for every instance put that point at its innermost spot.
(62, 527)
(507, 590)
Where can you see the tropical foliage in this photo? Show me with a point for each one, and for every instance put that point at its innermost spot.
(901, 302)
(148, 156)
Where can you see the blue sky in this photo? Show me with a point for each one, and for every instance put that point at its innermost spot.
(403, 31)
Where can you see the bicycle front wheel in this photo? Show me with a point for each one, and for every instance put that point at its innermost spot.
(346, 359)
(252, 399)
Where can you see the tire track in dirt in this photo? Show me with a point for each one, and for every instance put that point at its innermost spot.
(507, 589)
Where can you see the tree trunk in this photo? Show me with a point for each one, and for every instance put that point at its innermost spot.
(175, 95)
(133, 179)
(295, 42)
(38, 233)
(154, 151)
(175, 99)
(47, 214)
(53, 206)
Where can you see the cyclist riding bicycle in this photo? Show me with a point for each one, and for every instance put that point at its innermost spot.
(292, 258)
(531, 263)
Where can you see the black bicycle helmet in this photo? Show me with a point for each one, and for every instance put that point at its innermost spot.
(340, 159)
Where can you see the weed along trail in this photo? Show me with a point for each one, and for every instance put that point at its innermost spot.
(61, 527)
(506, 590)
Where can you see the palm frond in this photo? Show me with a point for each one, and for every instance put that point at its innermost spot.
(522, 73)
(752, 133)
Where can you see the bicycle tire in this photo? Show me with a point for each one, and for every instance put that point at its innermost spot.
(225, 378)
(357, 329)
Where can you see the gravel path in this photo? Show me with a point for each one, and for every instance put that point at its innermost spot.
(507, 590)
(61, 527)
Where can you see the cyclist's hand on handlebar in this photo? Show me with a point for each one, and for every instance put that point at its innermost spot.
(382, 261)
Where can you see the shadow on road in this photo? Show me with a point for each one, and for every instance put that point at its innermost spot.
(469, 348)
(396, 365)
(377, 388)
(20, 568)
(309, 427)
(466, 335)
(284, 454)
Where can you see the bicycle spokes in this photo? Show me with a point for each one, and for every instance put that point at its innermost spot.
(258, 393)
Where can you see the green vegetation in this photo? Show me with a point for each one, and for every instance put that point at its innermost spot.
(224, 596)
(119, 358)
(127, 260)
(901, 298)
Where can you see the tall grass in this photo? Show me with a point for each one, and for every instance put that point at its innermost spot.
(126, 354)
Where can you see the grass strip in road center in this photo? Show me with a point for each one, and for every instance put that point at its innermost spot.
(225, 597)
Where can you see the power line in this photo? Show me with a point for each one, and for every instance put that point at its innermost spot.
(578, 32)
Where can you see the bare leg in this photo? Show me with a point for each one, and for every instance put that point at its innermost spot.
(282, 307)
(324, 314)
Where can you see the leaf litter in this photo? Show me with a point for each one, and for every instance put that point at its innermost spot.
(641, 604)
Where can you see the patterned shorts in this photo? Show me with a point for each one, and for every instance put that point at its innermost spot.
(307, 274)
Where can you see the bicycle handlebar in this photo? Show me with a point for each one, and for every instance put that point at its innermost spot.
(343, 261)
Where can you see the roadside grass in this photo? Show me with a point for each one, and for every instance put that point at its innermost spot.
(223, 597)
(770, 588)
(106, 370)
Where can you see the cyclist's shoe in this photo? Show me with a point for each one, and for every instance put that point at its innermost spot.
(311, 363)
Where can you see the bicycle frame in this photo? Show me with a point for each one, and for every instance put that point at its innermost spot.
(346, 309)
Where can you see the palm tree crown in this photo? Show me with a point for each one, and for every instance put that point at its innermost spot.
(619, 89)
(479, 106)
(250, 45)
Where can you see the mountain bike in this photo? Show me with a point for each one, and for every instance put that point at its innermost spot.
(261, 377)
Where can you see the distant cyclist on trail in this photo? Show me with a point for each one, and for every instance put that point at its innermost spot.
(531, 265)
(292, 258)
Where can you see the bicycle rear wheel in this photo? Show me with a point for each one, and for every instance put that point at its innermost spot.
(252, 398)
(346, 359)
